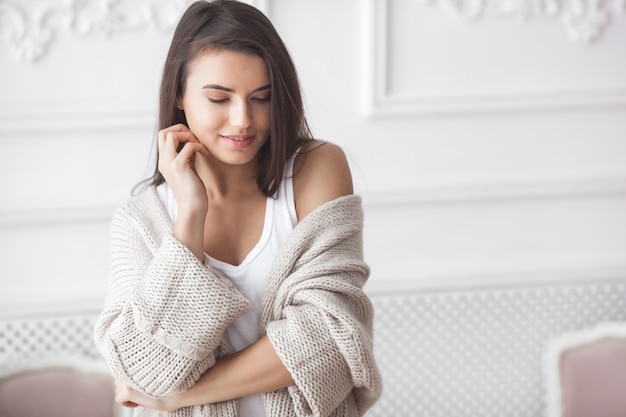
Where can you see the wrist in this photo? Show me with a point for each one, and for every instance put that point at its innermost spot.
(185, 399)
(192, 211)
(189, 230)
(204, 391)
(172, 403)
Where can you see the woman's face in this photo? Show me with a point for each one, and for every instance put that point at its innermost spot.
(227, 104)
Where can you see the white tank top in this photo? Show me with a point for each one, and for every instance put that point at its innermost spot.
(250, 277)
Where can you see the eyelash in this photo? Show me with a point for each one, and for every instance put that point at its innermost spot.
(224, 100)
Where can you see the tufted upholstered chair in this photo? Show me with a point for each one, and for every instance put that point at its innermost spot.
(586, 373)
(56, 387)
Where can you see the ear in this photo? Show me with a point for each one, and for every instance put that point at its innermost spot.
(179, 103)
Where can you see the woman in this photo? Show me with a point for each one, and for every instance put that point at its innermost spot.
(237, 273)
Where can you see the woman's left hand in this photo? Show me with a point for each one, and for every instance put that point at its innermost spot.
(128, 397)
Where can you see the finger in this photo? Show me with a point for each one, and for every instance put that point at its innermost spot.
(169, 141)
(180, 127)
(187, 153)
(119, 385)
(171, 146)
(173, 135)
(179, 130)
(123, 395)
(175, 128)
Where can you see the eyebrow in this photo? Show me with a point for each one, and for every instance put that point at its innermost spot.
(230, 90)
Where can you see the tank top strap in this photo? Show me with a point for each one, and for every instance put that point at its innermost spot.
(285, 198)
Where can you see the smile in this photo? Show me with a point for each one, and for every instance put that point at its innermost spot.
(239, 141)
(239, 138)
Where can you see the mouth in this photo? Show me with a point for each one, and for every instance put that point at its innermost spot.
(238, 141)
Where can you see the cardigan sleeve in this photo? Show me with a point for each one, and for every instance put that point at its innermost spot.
(165, 312)
(322, 323)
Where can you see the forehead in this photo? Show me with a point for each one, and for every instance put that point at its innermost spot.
(228, 68)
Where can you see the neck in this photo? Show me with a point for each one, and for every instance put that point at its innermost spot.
(224, 180)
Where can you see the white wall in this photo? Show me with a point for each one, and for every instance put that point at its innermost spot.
(76, 127)
(490, 149)
(488, 139)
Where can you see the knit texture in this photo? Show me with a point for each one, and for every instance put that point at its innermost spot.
(166, 313)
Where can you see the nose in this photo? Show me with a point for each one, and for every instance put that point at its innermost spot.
(240, 114)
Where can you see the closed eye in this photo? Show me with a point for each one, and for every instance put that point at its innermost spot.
(216, 101)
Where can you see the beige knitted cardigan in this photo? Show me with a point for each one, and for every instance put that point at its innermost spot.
(165, 313)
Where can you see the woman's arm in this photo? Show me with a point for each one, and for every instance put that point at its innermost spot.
(321, 174)
(158, 331)
(319, 324)
(319, 315)
(178, 167)
(254, 370)
(323, 334)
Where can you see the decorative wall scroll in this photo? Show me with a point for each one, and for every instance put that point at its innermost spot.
(30, 28)
(584, 20)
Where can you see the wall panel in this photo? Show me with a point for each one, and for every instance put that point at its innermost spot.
(54, 264)
(488, 139)
(487, 241)
(424, 60)
(79, 83)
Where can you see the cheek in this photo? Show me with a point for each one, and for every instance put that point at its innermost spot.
(203, 121)
(264, 119)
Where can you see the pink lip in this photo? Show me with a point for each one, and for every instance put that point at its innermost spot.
(238, 141)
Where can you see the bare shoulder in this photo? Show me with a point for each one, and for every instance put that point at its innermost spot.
(321, 174)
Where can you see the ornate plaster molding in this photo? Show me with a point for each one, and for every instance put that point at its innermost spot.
(584, 20)
(30, 28)
(587, 20)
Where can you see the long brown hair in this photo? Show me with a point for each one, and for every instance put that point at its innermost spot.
(236, 26)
